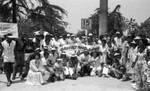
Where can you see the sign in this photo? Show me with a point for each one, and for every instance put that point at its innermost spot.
(86, 23)
(6, 28)
(76, 47)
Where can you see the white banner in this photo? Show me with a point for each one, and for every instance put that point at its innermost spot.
(76, 47)
(6, 28)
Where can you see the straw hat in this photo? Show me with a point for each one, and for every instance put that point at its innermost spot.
(63, 53)
(117, 32)
(90, 34)
(45, 47)
(137, 38)
(10, 36)
(37, 49)
(116, 54)
(133, 42)
(83, 37)
(53, 48)
(68, 35)
(73, 55)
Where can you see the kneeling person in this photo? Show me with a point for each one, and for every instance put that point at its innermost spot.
(58, 67)
(48, 69)
(71, 68)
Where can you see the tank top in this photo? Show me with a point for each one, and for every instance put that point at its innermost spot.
(8, 52)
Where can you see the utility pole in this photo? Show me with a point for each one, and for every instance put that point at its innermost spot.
(103, 17)
(14, 16)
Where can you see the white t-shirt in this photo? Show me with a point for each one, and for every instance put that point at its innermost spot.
(82, 57)
(118, 42)
(62, 42)
(8, 52)
(53, 58)
(55, 43)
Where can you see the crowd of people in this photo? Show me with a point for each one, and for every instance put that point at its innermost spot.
(39, 60)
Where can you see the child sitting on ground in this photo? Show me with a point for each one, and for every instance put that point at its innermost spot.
(96, 65)
(59, 70)
(115, 68)
(71, 68)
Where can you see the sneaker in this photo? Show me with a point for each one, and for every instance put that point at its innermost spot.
(13, 78)
(1, 72)
(8, 84)
(11, 81)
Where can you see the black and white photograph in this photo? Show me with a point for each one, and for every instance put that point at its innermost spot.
(74, 45)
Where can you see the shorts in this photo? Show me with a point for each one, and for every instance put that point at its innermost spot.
(8, 67)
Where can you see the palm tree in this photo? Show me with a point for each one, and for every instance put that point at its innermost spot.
(12, 10)
(45, 14)
(114, 21)
(103, 16)
(48, 15)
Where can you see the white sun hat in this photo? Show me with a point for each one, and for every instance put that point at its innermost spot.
(68, 35)
(133, 42)
(137, 38)
(116, 54)
(53, 48)
(73, 55)
(117, 32)
(90, 34)
(83, 37)
(11, 36)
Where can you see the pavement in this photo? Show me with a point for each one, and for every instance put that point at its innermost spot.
(81, 84)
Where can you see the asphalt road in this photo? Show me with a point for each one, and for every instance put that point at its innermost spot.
(81, 84)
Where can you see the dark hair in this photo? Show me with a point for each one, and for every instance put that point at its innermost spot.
(42, 36)
(104, 41)
(46, 53)
(145, 42)
(47, 39)
(101, 37)
(37, 54)
(63, 55)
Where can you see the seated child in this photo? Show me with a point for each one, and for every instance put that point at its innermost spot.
(48, 69)
(59, 73)
(96, 65)
(71, 68)
(115, 68)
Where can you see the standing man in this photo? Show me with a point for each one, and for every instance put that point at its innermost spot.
(21, 44)
(9, 55)
(118, 40)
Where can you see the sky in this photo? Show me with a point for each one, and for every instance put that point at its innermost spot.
(78, 9)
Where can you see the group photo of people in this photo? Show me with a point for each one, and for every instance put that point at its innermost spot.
(45, 59)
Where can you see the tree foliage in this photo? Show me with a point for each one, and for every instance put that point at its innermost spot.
(114, 20)
(145, 28)
(47, 15)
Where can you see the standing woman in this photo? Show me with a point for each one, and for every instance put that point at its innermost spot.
(34, 76)
(110, 53)
(103, 50)
(132, 57)
(141, 64)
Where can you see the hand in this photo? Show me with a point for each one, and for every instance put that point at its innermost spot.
(42, 72)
